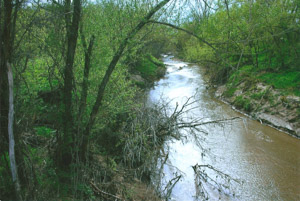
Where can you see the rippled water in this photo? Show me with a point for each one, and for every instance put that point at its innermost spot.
(266, 160)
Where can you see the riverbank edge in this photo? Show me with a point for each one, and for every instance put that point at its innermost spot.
(122, 180)
(263, 114)
(144, 189)
(228, 92)
(145, 79)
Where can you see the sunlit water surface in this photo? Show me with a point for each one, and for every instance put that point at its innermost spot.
(266, 161)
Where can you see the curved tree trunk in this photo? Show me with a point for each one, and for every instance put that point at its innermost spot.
(109, 71)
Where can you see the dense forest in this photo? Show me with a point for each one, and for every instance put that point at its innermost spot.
(73, 124)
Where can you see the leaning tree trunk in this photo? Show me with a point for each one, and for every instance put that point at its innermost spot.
(109, 71)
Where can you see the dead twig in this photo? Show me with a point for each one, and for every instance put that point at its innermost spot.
(99, 191)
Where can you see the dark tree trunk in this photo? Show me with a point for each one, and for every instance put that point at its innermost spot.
(88, 54)
(66, 145)
(85, 82)
(5, 52)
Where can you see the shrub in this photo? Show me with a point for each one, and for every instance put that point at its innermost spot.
(243, 103)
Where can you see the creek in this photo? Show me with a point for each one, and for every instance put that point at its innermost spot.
(264, 160)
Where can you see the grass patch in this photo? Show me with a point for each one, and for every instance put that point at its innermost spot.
(146, 67)
(258, 96)
(243, 103)
(44, 131)
(289, 81)
(230, 92)
(238, 76)
(149, 67)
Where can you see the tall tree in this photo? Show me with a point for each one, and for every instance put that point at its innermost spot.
(109, 71)
(72, 27)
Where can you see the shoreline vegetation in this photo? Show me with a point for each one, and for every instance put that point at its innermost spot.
(146, 70)
(265, 104)
(73, 117)
(276, 105)
(80, 131)
(251, 53)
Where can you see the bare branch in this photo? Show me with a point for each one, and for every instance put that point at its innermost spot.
(221, 181)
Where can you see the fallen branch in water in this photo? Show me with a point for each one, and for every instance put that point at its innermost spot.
(193, 125)
(171, 184)
(221, 182)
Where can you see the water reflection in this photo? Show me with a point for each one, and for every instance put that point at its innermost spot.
(267, 160)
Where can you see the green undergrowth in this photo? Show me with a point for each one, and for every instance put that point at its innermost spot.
(230, 92)
(150, 67)
(6, 185)
(44, 131)
(288, 82)
(243, 103)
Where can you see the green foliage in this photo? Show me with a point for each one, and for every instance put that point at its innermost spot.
(149, 67)
(44, 131)
(140, 84)
(39, 64)
(230, 92)
(258, 40)
(6, 184)
(258, 96)
(289, 81)
(243, 103)
(146, 67)
(155, 60)
(86, 191)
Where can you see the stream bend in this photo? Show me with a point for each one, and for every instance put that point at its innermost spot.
(266, 160)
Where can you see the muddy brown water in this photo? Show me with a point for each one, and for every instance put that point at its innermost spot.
(264, 160)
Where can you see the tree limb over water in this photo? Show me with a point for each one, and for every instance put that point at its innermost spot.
(220, 182)
(184, 30)
(194, 35)
(109, 71)
(147, 132)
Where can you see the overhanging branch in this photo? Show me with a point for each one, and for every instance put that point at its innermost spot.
(192, 34)
(184, 30)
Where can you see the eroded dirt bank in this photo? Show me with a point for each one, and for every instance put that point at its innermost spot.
(265, 104)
